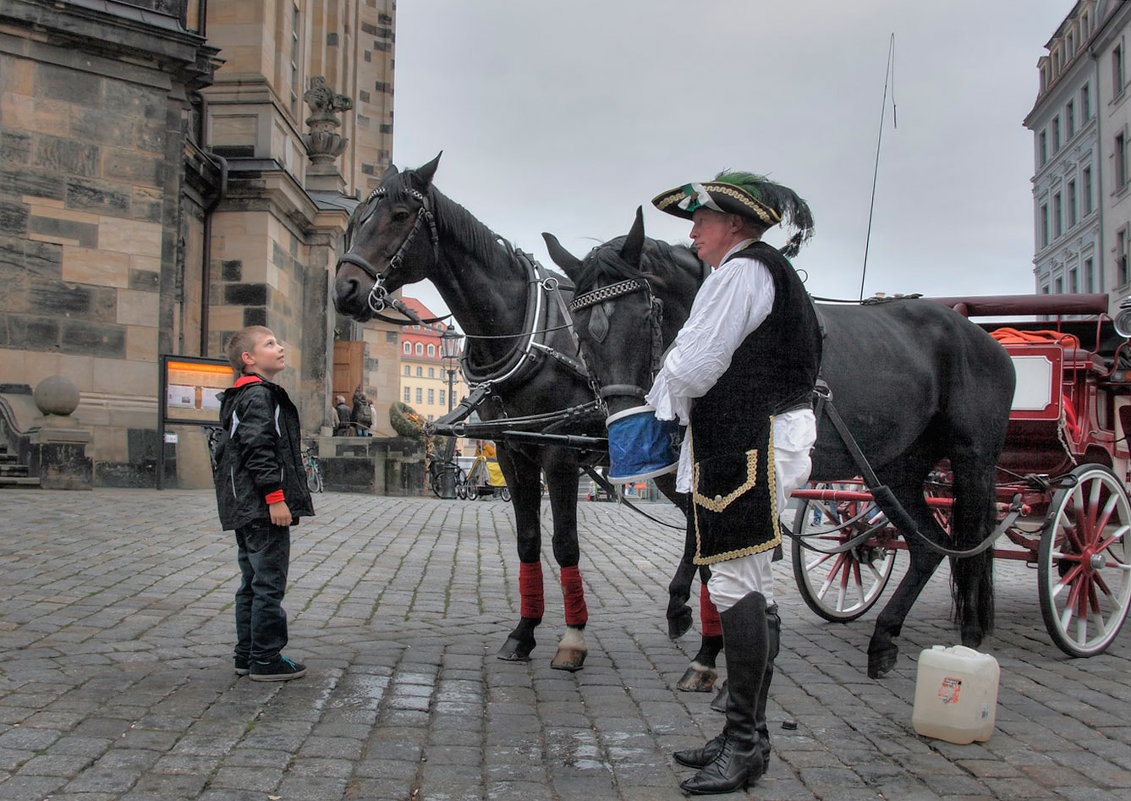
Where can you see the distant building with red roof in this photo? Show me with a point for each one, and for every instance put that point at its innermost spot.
(424, 373)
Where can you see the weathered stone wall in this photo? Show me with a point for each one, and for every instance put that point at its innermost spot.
(91, 237)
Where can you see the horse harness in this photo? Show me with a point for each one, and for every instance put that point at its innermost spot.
(600, 300)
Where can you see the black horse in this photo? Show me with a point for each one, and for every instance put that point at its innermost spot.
(915, 382)
(521, 357)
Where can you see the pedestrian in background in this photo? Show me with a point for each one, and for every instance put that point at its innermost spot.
(342, 429)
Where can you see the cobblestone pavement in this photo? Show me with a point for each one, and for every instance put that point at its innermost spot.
(116, 682)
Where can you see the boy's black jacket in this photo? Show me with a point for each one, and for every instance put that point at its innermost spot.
(260, 452)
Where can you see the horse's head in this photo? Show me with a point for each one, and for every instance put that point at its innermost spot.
(391, 241)
(631, 296)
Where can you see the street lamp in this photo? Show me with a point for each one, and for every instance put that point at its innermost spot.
(449, 349)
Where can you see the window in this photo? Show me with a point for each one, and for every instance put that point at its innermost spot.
(407, 370)
(431, 351)
(1069, 120)
(296, 22)
(431, 396)
(1044, 222)
(1055, 134)
(1059, 290)
(419, 349)
(1042, 148)
(406, 394)
(1071, 203)
(419, 395)
(1089, 276)
(408, 349)
(1045, 289)
(1087, 190)
(431, 372)
(1117, 71)
(1120, 161)
(1121, 257)
(1072, 288)
(1085, 104)
(442, 398)
(419, 372)
(1057, 215)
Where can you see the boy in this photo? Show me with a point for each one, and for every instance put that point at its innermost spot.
(260, 492)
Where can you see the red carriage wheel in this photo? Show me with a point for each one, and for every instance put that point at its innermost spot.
(841, 586)
(1083, 567)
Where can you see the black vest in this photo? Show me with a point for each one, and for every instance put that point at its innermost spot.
(772, 371)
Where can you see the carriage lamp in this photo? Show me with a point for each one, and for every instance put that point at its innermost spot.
(1123, 318)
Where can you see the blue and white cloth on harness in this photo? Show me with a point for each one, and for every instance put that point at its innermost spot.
(640, 446)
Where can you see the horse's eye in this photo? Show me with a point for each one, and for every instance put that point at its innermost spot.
(399, 216)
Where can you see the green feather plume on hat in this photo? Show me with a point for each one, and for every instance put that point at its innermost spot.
(793, 210)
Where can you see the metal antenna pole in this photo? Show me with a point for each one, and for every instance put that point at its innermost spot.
(889, 72)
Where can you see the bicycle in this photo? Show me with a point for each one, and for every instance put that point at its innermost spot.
(313, 470)
(436, 470)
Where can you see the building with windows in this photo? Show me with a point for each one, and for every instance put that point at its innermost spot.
(1110, 50)
(175, 170)
(428, 383)
(1068, 165)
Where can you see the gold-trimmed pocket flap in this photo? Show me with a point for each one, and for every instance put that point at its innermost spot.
(719, 502)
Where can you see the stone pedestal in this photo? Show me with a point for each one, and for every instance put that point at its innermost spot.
(55, 446)
(56, 452)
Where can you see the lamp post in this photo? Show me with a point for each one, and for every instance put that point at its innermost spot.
(449, 350)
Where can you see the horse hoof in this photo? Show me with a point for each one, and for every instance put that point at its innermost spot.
(571, 659)
(515, 650)
(697, 679)
(881, 662)
(679, 624)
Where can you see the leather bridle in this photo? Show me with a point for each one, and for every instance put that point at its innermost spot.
(379, 298)
(605, 294)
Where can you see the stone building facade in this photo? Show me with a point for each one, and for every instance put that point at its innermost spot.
(1068, 164)
(171, 171)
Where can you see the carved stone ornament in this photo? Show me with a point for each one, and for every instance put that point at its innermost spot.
(323, 142)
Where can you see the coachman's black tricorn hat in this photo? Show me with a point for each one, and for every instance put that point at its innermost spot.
(751, 196)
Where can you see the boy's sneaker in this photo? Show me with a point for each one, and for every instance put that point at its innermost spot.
(280, 669)
(243, 665)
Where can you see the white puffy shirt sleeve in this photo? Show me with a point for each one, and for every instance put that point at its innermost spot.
(733, 301)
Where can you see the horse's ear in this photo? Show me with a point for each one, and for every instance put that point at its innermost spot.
(390, 171)
(633, 245)
(425, 173)
(562, 257)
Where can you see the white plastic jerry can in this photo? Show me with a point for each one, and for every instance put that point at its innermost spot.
(955, 694)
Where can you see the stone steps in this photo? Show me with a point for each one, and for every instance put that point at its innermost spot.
(14, 474)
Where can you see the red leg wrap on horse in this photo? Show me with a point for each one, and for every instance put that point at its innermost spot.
(532, 600)
(708, 614)
(576, 613)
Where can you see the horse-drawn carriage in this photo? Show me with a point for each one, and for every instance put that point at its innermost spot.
(921, 395)
(1061, 495)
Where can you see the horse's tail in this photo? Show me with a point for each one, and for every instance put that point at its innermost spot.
(972, 577)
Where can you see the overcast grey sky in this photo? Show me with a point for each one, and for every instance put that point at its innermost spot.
(564, 117)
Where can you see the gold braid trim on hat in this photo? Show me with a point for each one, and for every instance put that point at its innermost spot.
(764, 212)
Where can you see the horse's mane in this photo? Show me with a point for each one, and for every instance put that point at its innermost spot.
(658, 261)
(456, 222)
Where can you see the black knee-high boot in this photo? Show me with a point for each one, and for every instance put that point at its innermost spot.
(739, 762)
(701, 757)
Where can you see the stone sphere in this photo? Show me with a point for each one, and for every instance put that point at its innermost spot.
(56, 395)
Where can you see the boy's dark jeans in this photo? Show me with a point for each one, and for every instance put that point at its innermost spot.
(261, 623)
